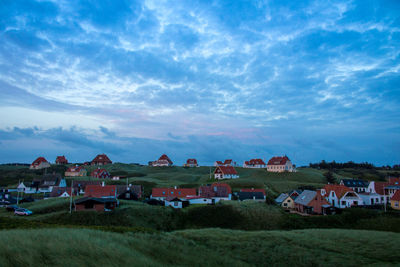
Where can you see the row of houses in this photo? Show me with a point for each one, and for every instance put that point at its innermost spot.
(275, 164)
(348, 193)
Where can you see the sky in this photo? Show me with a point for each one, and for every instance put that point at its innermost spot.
(211, 80)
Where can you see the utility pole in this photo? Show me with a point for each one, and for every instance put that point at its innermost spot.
(18, 192)
(70, 201)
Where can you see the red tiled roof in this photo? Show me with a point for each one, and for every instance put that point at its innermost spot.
(38, 161)
(100, 191)
(339, 190)
(255, 162)
(226, 169)
(394, 181)
(179, 192)
(219, 162)
(380, 187)
(61, 159)
(191, 161)
(278, 160)
(101, 158)
(396, 196)
(227, 161)
(254, 190)
(165, 157)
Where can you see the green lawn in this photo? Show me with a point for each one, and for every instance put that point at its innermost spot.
(206, 247)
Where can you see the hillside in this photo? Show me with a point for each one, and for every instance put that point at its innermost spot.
(71, 247)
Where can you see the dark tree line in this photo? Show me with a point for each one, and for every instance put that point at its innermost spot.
(337, 165)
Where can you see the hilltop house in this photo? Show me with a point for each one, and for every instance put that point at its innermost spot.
(61, 160)
(395, 200)
(163, 161)
(225, 172)
(75, 171)
(341, 196)
(98, 198)
(101, 159)
(227, 162)
(100, 173)
(39, 163)
(280, 164)
(356, 185)
(254, 163)
(191, 163)
(311, 202)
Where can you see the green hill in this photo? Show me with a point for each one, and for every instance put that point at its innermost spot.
(210, 247)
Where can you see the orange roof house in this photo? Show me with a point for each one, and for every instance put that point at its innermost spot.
(101, 159)
(39, 163)
(163, 161)
(341, 196)
(191, 163)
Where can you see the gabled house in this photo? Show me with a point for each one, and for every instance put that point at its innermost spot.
(61, 160)
(191, 163)
(75, 171)
(163, 161)
(392, 187)
(129, 192)
(225, 172)
(227, 162)
(43, 185)
(101, 191)
(214, 192)
(341, 196)
(356, 185)
(80, 186)
(101, 159)
(280, 164)
(395, 200)
(61, 192)
(256, 194)
(100, 173)
(254, 163)
(311, 202)
(164, 192)
(39, 163)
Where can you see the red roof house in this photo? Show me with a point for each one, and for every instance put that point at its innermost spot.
(395, 200)
(61, 160)
(101, 159)
(163, 193)
(280, 164)
(216, 191)
(100, 191)
(191, 163)
(341, 196)
(164, 160)
(254, 163)
(100, 173)
(39, 163)
(225, 172)
(227, 162)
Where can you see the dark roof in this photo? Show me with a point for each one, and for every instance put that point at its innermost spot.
(355, 183)
(305, 197)
(250, 195)
(281, 198)
(95, 199)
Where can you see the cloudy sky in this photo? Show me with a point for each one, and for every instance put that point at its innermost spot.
(206, 79)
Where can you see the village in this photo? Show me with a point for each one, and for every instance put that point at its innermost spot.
(102, 192)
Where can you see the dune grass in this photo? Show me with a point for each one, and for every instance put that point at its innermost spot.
(211, 247)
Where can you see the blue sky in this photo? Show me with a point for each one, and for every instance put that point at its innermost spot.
(206, 79)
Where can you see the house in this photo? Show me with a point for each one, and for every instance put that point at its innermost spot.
(80, 186)
(101, 159)
(356, 185)
(214, 192)
(371, 199)
(395, 200)
(61, 160)
(227, 162)
(39, 163)
(311, 202)
(129, 192)
(175, 202)
(43, 185)
(163, 161)
(341, 196)
(257, 194)
(393, 186)
(60, 192)
(96, 204)
(75, 171)
(22, 186)
(254, 163)
(225, 172)
(163, 193)
(100, 173)
(280, 164)
(191, 163)
(101, 191)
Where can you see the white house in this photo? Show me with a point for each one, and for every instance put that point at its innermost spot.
(356, 185)
(174, 202)
(254, 163)
(280, 164)
(225, 172)
(341, 196)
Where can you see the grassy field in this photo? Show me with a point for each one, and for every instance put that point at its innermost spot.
(211, 247)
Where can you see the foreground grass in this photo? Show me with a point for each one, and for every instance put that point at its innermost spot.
(213, 247)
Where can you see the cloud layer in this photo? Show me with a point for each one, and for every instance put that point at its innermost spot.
(314, 80)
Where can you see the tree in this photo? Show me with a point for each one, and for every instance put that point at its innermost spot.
(329, 177)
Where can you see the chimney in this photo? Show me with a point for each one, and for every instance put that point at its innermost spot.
(102, 183)
(175, 187)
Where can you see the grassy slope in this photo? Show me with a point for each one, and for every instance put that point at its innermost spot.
(73, 247)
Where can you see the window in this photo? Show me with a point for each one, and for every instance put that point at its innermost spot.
(176, 203)
(163, 193)
(284, 204)
(396, 204)
(288, 200)
(343, 202)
